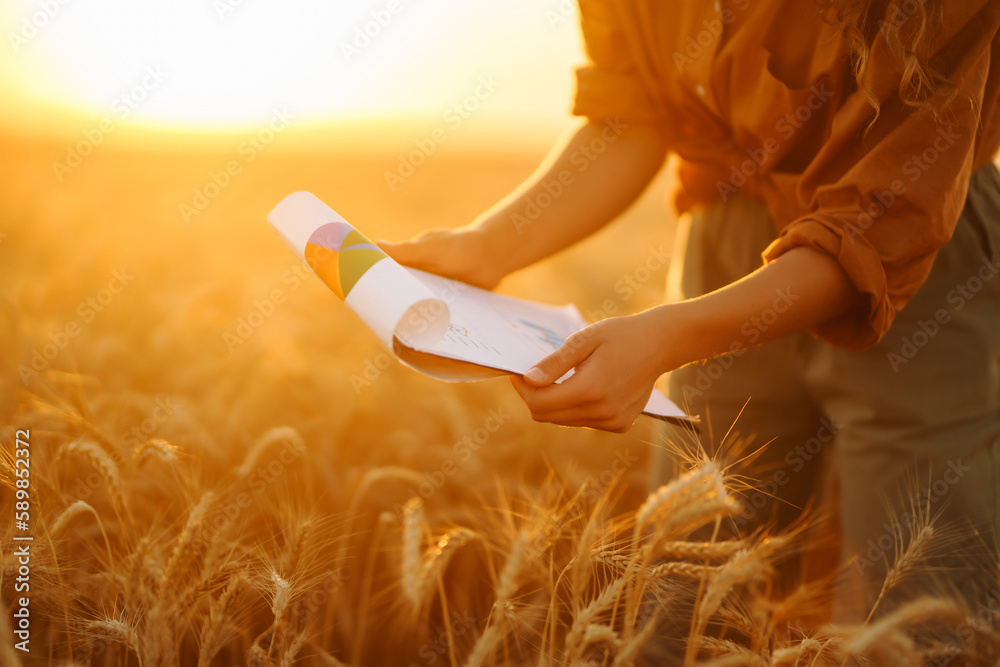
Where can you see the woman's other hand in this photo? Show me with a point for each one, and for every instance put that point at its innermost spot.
(462, 254)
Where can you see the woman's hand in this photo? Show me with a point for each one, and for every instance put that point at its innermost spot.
(616, 360)
(509, 237)
(462, 254)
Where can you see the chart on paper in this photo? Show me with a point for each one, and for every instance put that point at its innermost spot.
(497, 331)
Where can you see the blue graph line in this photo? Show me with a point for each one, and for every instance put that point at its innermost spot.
(545, 334)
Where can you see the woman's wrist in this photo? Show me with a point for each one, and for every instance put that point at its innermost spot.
(677, 335)
(799, 290)
(499, 244)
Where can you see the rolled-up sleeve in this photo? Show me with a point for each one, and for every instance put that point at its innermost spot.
(883, 204)
(609, 84)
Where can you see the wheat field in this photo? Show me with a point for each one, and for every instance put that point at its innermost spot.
(227, 469)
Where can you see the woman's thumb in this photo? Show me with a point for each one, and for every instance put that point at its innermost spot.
(573, 351)
(404, 252)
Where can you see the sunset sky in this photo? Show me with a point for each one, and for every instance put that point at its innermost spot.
(222, 64)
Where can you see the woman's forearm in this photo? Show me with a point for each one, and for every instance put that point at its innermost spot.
(799, 290)
(582, 186)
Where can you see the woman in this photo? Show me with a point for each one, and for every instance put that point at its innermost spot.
(841, 249)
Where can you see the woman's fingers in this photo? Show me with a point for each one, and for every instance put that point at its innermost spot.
(553, 398)
(419, 252)
(452, 253)
(571, 353)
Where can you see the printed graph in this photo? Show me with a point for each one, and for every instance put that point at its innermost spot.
(545, 334)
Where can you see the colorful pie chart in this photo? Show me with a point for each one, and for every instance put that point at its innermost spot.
(340, 255)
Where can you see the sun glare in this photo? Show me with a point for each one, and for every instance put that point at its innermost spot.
(225, 63)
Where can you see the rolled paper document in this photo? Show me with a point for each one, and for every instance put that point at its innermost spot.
(438, 326)
(387, 298)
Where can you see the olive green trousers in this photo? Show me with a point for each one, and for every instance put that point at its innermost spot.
(879, 439)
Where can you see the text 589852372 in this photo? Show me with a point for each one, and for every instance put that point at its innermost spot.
(22, 518)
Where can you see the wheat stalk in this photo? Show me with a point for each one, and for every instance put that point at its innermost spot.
(793, 655)
(704, 482)
(628, 654)
(288, 656)
(413, 539)
(157, 448)
(219, 612)
(134, 581)
(904, 564)
(103, 463)
(298, 546)
(275, 436)
(117, 631)
(508, 582)
(506, 588)
(587, 616)
(8, 654)
(67, 515)
(614, 557)
(716, 645)
(686, 570)
(736, 619)
(75, 509)
(282, 596)
(746, 565)
(600, 634)
(441, 555)
(912, 613)
(700, 550)
(182, 552)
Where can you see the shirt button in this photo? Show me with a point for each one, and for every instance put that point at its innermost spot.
(718, 7)
(701, 89)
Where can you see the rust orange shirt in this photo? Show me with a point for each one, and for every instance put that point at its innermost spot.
(758, 96)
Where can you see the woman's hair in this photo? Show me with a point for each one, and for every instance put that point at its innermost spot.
(908, 28)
